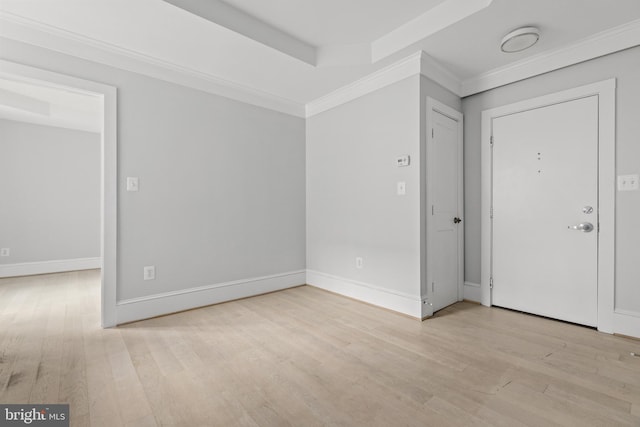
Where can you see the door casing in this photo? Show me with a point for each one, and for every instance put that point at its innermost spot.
(605, 90)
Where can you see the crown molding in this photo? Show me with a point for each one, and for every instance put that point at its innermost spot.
(414, 64)
(53, 38)
(434, 70)
(600, 44)
(390, 74)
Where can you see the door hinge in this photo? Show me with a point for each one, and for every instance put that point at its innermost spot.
(433, 287)
(491, 283)
(433, 209)
(598, 227)
(491, 212)
(491, 141)
(431, 132)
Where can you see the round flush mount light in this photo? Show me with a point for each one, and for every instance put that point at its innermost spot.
(520, 39)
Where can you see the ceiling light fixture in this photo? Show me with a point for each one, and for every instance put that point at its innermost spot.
(520, 39)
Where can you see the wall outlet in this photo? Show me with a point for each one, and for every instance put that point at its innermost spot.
(628, 182)
(5, 252)
(358, 262)
(149, 272)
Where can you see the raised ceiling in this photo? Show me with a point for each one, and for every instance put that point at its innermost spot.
(300, 50)
(335, 22)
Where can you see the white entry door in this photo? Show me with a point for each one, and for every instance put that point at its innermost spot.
(545, 211)
(444, 195)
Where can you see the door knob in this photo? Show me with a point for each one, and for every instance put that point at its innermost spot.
(457, 220)
(586, 227)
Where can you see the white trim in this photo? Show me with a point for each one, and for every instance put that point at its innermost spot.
(29, 31)
(109, 177)
(472, 291)
(401, 302)
(434, 105)
(386, 76)
(626, 323)
(432, 69)
(628, 313)
(414, 64)
(600, 44)
(134, 309)
(605, 90)
(45, 267)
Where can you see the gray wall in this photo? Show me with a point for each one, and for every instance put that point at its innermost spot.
(49, 193)
(352, 206)
(625, 66)
(222, 183)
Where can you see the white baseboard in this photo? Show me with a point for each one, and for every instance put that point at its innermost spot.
(45, 267)
(472, 292)
(626, 322)
(146, 307)
(397, 301)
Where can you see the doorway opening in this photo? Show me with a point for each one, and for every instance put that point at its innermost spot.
(104, 124)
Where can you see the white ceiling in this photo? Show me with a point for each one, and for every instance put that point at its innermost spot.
(335, 22)
(255, 45)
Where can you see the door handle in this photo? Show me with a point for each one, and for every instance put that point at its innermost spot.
(457, 220)
(585, 227)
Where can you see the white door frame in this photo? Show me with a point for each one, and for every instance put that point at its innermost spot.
(437, 106)
(108, 225)
(605, 90)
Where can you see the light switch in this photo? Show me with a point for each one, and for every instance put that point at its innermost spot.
(628, 182)
(149, 272)
(402, 188)
(132, 183)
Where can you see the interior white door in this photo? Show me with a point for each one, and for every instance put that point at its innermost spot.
(545, 197)
(444, 177)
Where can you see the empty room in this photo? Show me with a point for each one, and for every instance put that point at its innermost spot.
(319, 213)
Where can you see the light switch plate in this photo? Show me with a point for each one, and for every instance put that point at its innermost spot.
(628, 182)
(149, 272)
(402, 188)
(132, 183)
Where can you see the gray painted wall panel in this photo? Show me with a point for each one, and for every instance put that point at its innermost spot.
(49, 193)
(352, 206)
(222, 183)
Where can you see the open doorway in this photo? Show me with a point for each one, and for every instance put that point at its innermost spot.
(57, 115)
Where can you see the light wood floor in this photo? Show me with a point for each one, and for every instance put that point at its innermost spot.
(304, 357)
